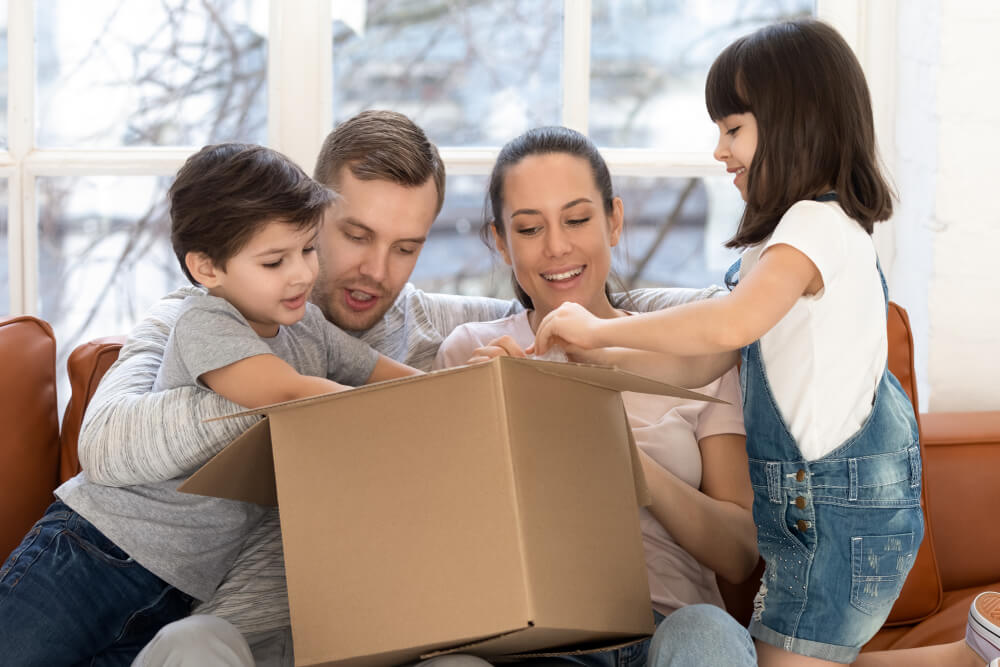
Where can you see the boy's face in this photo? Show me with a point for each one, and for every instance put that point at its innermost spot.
(369, 246)
(270, 278)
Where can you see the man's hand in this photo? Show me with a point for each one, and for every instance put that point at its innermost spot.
(570, 325)
(505, 346)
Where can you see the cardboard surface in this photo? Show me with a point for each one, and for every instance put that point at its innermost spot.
(492, 505)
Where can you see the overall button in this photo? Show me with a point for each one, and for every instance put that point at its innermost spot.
(800, 502)
(800, 475)
(802, 525)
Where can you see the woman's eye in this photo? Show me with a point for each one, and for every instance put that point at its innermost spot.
(577, 221)
(528, 231)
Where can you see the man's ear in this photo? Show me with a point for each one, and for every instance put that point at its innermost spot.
(202, 269)
(500, 243)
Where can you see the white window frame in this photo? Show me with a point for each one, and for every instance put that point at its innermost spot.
(300, 102)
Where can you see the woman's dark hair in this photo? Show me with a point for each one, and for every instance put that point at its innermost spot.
(815, 129)
(225, 193)
(541, 141)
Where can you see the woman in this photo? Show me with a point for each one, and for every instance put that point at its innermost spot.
(555, 221)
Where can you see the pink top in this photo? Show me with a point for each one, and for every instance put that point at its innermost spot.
(668, 430)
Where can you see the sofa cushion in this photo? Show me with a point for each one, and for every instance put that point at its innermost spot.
(29, 440)
(921, 594)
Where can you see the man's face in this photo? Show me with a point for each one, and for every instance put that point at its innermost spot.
(369, 246)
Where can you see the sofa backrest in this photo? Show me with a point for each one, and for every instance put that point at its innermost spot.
(29, 440)
(86, 366)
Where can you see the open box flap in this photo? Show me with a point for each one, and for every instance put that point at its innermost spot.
(612, 378)
(244, 470)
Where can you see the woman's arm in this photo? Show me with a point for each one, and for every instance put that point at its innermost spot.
(706, 327)
(714, 524)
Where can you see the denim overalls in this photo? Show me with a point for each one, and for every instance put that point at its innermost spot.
(838, 534)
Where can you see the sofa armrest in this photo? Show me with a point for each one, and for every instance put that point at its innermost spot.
(962, 473)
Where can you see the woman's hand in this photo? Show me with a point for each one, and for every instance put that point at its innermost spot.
(570, 325)
(505, 346)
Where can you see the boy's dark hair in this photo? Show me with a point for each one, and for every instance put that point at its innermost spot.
(542, 141)
(380, 145)
(815, 129)
(225, 193)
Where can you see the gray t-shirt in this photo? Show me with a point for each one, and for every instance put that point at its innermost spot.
(191, 541)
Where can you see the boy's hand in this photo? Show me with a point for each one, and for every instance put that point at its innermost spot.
(570, 325)
(505, 346)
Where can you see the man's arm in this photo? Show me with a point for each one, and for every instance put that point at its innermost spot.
(132, 436)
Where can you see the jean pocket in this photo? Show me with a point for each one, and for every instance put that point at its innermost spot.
(879, 565)
(97, 544)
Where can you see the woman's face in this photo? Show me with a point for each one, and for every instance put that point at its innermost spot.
(557, 235)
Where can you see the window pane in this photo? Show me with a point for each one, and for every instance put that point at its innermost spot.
(104, 255)
(649, 61)
(4, 77)
(4, 252)
(675, 229)
(125, 73)
(469, 73)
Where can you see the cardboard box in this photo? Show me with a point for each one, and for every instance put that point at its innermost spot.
(490, 509)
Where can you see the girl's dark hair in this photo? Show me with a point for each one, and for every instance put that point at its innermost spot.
(815, 129)
(225, 193)
(541, 141)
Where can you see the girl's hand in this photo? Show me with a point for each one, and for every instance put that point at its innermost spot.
(570, 325)
(505, 346)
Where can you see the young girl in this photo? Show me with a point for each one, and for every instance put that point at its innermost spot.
(831, 436)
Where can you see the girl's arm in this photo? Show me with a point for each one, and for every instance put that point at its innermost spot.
(264, 379)
(711, 326)
(690, 372)
(713, 524)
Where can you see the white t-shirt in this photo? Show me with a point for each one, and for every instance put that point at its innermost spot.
(825, 357)
(668, 430)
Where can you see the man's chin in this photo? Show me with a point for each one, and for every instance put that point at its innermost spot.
(351, 320)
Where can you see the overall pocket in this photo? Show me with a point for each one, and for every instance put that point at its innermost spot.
(879, 565)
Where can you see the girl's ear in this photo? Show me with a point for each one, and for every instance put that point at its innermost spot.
(500, 243)
(202, 269)
(616, 220)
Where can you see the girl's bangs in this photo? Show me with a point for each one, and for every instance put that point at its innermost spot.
(722, 88)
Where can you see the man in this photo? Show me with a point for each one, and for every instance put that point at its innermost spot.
(392, 183)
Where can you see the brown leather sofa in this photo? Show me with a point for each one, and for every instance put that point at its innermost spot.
(957, 560)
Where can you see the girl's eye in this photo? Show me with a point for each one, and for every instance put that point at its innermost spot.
(733, 131)
(272, 265)
(310, 248)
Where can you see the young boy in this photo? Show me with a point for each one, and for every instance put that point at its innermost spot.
(106, 567)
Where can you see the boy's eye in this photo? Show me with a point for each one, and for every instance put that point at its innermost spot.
(272, 265)
(354, 237)
(309, 248)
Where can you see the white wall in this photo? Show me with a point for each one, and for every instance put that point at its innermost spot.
(947, 169)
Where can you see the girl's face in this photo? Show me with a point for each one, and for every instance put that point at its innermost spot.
(737, 145)
(557, 235)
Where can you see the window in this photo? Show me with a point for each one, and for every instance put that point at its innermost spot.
(105, 100)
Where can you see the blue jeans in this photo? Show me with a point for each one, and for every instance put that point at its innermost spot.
(70, 596)
(701, 635)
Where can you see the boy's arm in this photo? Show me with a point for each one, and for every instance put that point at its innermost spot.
(133, 436)
(265, 379)
(389, 369)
